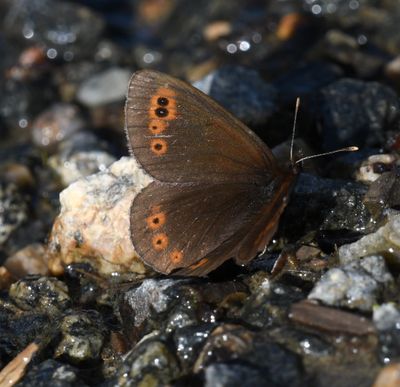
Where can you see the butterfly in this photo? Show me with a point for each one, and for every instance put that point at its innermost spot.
(218, 191)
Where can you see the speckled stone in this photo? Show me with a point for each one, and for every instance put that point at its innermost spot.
(93, 224)
(356, 285)
(385, 240)
(45, 294)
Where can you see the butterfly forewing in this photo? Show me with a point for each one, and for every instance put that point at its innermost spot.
(178, 134)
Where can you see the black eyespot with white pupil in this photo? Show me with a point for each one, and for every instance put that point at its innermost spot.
(161, 112)
(162, 101)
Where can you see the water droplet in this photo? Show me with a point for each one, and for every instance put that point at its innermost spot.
(23, 123)
(148, 58)
(231, 48)
(51, 53)
(256, 38)
(28, 32)
(362, 39)
(244, 46)
(316, 9)
(68, 56)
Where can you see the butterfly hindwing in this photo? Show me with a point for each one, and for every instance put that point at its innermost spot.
(175, 228)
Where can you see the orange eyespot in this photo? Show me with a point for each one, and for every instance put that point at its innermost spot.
(176, 256)
(158, 146)
(155, 221)
(157, 126)
(160, 241)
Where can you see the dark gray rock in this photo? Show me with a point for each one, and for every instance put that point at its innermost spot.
(354, 112)
(243, 92)
(52, 373)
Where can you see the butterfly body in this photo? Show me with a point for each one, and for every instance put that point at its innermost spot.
(218, 191)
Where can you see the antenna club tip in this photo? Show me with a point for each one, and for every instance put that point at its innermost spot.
(353, 148)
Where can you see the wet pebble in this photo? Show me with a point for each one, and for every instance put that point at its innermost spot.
(188, 342)
(82, 337)
(347, 50)
(80, 156)
(325, 204)
(104, 88)
(55, 124)
(384, 194)
(356, 112)
(170, 304)
(45, 294)
(18, 174)
(357, 285)
(32, 259)
(229, 342)
(52, 373)
(384, 240)
(268, 304)
(389, 345)
(13, 210)
(349, 212)
(386, 316)
(373, 167)
(149, 298)
(235, 375)
(151, 362)
(18, 329)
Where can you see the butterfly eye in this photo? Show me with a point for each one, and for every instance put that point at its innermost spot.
(161, 112)
(162, 101)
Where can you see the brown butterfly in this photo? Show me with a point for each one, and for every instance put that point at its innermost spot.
(218, 191)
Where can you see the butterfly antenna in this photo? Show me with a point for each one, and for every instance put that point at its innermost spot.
(294, 129)
(347, 149)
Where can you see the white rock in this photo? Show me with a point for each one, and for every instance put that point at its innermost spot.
(385, 240)
(93, 225)
(356, 285)
(386, 316)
